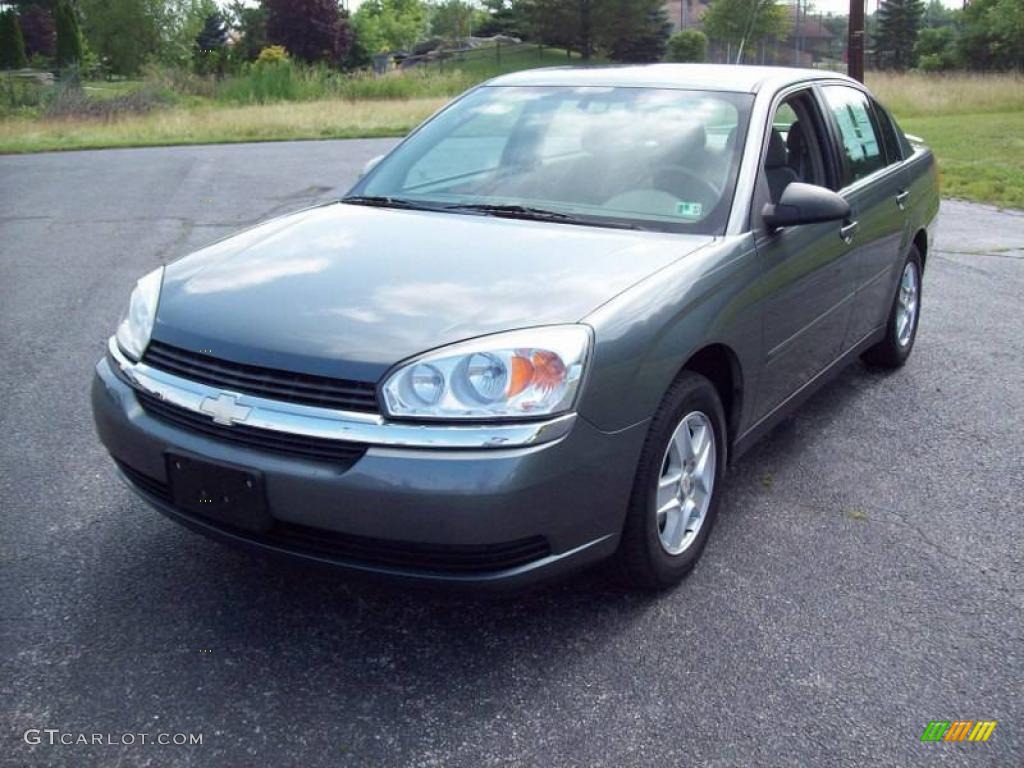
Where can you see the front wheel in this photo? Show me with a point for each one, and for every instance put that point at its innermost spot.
(677, 486)
(901, 327)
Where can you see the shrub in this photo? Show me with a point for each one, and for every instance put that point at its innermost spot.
(935, 49)
(688, 45)
(272, 54)
(69, 100)
(20, 95)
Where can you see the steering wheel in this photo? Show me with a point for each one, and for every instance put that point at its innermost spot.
(685, 185)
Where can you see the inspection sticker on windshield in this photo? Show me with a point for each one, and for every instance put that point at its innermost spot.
(690, 210)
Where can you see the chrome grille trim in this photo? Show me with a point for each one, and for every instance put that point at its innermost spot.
(351, 426)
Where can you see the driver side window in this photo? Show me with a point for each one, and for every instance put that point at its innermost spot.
(794, 148)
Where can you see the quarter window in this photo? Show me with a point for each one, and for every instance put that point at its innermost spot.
(892, 143)
(860, 146)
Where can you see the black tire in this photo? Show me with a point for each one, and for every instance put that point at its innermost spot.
(889, 352)
(643, 560)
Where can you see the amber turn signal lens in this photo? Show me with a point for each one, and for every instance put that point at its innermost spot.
(521, 374)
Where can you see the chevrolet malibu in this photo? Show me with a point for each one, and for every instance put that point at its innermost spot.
(534, 335)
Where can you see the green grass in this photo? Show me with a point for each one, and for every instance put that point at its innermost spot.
(981, 156)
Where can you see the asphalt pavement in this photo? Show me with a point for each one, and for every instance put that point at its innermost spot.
(864, 578)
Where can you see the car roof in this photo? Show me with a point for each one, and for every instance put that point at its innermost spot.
(738, 78)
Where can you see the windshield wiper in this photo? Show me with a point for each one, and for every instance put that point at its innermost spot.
(513, 211)
(385, 201)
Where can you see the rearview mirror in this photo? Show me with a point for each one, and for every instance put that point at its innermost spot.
(370, 164)
(805, 204)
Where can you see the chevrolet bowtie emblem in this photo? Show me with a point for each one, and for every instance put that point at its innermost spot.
(225, 409)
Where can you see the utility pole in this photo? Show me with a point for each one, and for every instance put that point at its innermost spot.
(855, 41)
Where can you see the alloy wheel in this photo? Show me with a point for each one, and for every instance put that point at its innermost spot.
(906, 309)
(686, 483)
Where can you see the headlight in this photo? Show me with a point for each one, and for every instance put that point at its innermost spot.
(136, 325)
(529, 373)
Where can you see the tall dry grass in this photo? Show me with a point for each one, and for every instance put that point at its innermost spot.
(919, 94)
(217, 124)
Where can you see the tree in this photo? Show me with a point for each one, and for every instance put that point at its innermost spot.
(638, 33)
(938, 15)
(898, 24)
(992, 34)
(69, 36)
(311, 30)
(626, 30)
(935, 49)
(452, 20)
(179, 23)
(688, 45)
(210, 45)
(251, 24)
(123, 33)
(505, 17)
(12, 44)
(389, 25)
(39, 32)
(742, 24)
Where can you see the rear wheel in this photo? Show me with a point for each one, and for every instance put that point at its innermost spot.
(901, 327)
(677, 486)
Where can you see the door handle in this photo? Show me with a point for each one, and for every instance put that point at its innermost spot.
(848, 232)
(901, 198)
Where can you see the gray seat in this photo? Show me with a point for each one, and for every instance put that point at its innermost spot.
(776, 166)
(798, 153)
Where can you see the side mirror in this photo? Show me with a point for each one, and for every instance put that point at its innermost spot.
(370, 164)
(805, 204)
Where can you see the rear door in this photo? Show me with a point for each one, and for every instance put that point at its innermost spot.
(873, 182)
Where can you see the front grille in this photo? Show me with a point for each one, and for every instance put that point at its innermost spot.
(437, 558)
(289, 386)
(335, 451)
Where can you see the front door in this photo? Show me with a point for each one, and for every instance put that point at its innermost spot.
(807, 276)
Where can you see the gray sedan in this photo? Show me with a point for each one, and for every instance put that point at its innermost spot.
(534, 335)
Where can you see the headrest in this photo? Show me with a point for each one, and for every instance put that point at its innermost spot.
(644, 138)
(776, 155)
(795, 140)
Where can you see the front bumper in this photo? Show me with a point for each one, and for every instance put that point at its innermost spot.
(480, 505)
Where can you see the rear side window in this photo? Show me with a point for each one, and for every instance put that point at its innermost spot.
(893, 149)
(860, 146)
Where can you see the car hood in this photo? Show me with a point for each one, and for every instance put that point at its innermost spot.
(347, 291)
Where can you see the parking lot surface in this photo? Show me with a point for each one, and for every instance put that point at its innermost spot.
(865, 576)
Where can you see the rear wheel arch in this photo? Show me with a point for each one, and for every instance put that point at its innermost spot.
(921, 241)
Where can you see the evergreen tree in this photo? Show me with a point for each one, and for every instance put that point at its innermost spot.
(626, 30)
(12, 44)
(69, 37)
(898, 22)
(210, 45)
(639, 36)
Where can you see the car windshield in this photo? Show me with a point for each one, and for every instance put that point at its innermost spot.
(659, 159)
